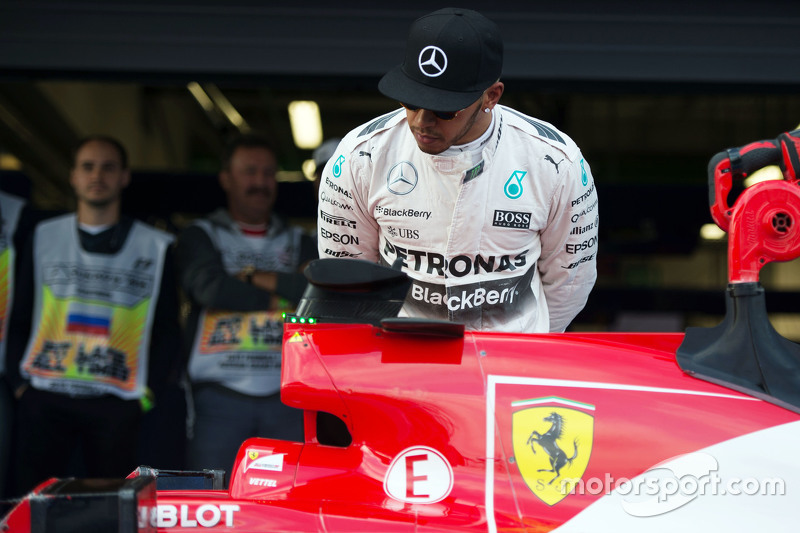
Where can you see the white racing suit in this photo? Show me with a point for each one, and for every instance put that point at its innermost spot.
(509, 244)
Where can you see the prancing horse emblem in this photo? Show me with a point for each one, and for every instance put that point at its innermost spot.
(549, 443)
(566, 441)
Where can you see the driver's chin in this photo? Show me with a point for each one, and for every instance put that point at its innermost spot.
(430, 151)
(433, 148)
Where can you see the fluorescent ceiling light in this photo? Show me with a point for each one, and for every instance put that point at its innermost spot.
(772, 172)
(309, 167)
(216, 105)
(306, 124)
(711, 232)
(10, 162)
(227, 108)
(200, 96)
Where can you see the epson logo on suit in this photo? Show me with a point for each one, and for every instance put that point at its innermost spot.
(511, 219)
(338, 237)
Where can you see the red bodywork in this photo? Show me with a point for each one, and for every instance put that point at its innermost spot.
(457, 397)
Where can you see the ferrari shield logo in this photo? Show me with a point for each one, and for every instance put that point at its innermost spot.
(552, 443)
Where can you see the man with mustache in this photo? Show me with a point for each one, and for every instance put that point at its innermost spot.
(492, 213)
(240, 269)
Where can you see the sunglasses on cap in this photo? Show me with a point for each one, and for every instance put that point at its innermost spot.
(441, 115)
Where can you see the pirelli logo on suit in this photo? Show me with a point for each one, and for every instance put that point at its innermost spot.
(337, 221)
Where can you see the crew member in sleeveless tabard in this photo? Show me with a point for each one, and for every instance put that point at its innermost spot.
(94, 334)
(240, 268)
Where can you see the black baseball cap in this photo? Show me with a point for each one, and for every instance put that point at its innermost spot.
(452, 56)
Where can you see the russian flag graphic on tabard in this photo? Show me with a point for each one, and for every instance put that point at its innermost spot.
(89, 319)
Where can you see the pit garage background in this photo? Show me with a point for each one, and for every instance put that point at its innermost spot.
(650, 91)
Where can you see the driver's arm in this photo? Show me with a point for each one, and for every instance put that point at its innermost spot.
(568, 261)
(346, 227)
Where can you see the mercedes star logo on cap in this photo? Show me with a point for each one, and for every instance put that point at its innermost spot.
(432, 61)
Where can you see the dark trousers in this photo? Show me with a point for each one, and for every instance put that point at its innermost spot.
(162, 438)
(6, 441)
(52, 428)
(224, 419)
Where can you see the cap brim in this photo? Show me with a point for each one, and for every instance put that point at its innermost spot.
(396, 85)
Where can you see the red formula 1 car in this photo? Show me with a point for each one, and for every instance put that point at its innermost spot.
(415, 425)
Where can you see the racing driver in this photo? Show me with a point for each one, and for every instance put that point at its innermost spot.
(493, 214)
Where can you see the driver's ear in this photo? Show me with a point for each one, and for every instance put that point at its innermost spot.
(493, 94)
